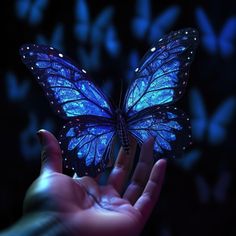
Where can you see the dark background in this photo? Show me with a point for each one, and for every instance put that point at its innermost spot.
(198, 196)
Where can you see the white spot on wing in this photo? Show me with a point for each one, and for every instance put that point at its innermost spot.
(153, 49)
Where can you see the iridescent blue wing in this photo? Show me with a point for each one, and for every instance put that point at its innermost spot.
(67, 87)
(86, 146)
(162, 74)
(168, 125)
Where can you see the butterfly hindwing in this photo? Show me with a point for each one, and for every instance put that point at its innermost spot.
(162, 74)
(168, 125)
(67, 87)
(86, 146)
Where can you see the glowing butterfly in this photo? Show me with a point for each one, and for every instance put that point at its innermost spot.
(16, 91)
(189, 160)
(224, 43)
(84, 27)
(214, 128)
(143, 25)
(93, 121)
(31, 10)
(56, 39)
(218, 192)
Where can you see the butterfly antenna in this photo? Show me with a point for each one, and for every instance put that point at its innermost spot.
(121, 91)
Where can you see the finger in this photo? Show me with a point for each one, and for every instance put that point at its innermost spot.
(141, 173)
(51, 153)
(150, 195)
(122, 167)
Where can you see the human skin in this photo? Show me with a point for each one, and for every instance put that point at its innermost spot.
(56, 204)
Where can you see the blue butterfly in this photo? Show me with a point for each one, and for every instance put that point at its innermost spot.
(93, 122)
(111, 42)
(217, 192)
(189, 159)
(143, 25)
(56, 39)
(224, 43)
(31, 10)
(16, 91)
(90, 59)
(83, 27)
(214, 128)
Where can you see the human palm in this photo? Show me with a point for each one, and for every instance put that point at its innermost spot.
(86, 208)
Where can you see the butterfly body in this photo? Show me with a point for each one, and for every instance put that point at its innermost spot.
(92, 122)
(122, 130)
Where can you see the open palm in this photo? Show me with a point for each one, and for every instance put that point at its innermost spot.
(86, 208)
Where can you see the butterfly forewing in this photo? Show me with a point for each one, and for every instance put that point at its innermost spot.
(162, 74)
(68, 88)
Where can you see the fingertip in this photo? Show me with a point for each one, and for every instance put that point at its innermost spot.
(51, 153)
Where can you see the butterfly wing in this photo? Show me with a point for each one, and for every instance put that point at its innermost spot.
(67, 87)
(86, 139)
(162, 74)
(168, 125)
(86, 146)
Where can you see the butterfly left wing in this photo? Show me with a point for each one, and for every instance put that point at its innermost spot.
(68, 88)
(75, 98)
(86, 146)
(168, 125)
(162, 75)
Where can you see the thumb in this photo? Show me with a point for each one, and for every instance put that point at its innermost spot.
(51, 159)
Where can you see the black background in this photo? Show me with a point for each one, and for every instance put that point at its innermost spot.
(179, 211)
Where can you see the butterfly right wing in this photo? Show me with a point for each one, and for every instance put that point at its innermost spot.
(86, 146)
(168, 125)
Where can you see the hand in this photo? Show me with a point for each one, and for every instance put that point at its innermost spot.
(84, 207)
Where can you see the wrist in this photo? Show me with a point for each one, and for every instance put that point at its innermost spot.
(43, 223)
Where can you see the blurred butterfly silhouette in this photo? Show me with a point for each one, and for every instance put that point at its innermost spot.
(31, 10)
(142, 24)
(16, 92)
(93, 122)
(189, 159)
(214, 128)
(56, 39)
(218, 192)
(83, 26)
(29, 144)
(224, 43)
(133, 60)
(111, 42)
